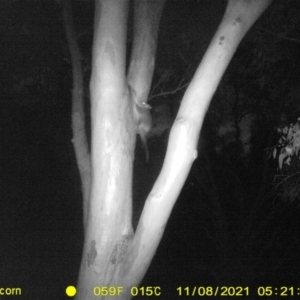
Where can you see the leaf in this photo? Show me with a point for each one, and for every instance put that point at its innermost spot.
(281, 158)
(274, 152)
(290, 133)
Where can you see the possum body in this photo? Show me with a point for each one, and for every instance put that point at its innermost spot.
(143, 119)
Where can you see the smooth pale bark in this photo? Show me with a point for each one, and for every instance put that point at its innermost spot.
(112, 255)
(78, 117)
(108, 230)
(146, 23)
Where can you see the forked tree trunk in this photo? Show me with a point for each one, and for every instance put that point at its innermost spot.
(113, 255)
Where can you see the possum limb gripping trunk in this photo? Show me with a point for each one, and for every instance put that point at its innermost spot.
(143, 120)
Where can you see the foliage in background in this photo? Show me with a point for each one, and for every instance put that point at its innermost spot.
(286, 152)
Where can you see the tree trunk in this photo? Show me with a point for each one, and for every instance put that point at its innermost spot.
(108, 230)
(114, 256)
(78, 117)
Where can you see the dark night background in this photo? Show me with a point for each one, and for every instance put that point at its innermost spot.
(230, 226)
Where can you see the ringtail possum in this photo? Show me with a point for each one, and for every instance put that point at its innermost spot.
(143, 120)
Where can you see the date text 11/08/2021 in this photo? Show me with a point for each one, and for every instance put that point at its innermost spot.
(239, 291)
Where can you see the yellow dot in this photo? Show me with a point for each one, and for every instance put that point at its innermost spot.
(71, 291)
